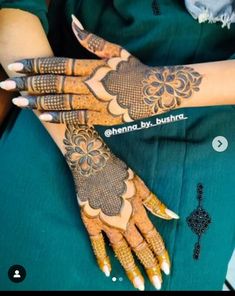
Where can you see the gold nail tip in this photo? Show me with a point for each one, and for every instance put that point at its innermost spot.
(156, 282)
(46, 117)
(20, 101)
(171, 214)
(106, 270)
(138, 283)
(8, 84)
(77, 23)
(165, 267)
(15, 67)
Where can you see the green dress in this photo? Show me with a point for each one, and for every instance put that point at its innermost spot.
(40, 221)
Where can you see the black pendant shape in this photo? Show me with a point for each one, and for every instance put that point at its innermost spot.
(198, 221)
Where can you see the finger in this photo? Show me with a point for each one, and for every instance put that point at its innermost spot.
(93, 43)
(152, 237)
(156, 243)
(125, 257)
(152, 203)
(145, 255)
(45, 84)
(98, 245)
(157, 208)
(80, 117)
(56, 65)
(67, 117)
(58, 102)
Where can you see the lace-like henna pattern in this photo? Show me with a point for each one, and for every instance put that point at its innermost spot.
(56, 65)
(165, 87)
(140, 91)
(95, 43)
(125, 83)
(99, 176)
(198, 221)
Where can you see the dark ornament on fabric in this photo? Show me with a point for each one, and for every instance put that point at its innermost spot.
(198, 221)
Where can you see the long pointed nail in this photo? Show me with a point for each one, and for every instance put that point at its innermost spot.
(15, 67)
(106, 270)
(171, 214)
(78, 29)
(20, 101)
(8, 85)
(138, 283)
(77, 23)
(46, 117)
(165, 267)
(156, 282)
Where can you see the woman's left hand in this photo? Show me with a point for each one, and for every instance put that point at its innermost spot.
(116, 89)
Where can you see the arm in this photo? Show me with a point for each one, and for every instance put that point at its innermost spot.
(112, 197)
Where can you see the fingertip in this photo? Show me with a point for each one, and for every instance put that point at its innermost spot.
(15, 67)
(20, 102)
(46, 117)
(77, 22)
(172, 214)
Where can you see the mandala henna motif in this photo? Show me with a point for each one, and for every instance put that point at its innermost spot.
(165, 87)
(103, 182)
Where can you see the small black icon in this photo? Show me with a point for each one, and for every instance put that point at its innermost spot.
(16, 273)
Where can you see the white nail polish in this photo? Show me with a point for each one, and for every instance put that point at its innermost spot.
(156, 282)
(106, 270)
(138, 283)
(171, 214)
(166, 268)
(20, 102)
(15, 67)
(8, 85)
(46, 117)
(76, 21)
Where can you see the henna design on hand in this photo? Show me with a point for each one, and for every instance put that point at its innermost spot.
(136, 91)
(100, 177)
(165, 87)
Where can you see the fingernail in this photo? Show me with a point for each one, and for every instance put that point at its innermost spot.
(15, 67)
(138, 283)
(77, 23)
(8, 84)
(78, 29)
(46, 117)
(166, 268)
(20, 102)
(106, 270)
(171, 214)
(156, 282)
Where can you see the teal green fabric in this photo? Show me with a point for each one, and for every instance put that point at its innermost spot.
(41, 226)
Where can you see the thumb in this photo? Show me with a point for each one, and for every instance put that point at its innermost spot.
(93, 43)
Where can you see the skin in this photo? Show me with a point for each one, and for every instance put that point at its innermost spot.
(128, 231)
(159, 90)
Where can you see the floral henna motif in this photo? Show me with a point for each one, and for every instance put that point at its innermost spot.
(103, 182)
(136, 91)
(163, 88)
(86, 152)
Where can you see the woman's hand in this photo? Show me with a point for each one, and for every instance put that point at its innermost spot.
(113, 201)
(116, 89)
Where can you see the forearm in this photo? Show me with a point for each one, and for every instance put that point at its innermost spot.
(22, 36)
(217, 86)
